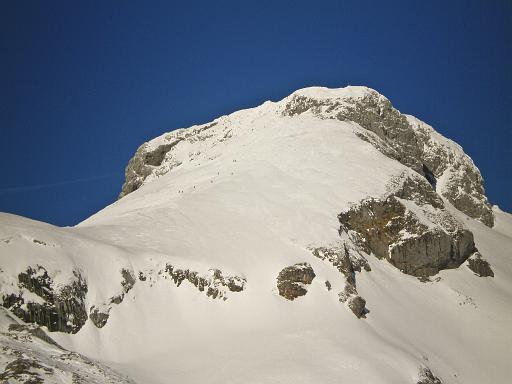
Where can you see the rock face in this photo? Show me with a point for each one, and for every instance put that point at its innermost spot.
(99, 314)
(427, 377)
(406, 139)
(347, 261)
(292, 281)
(215, 284)
(480, 266)
(410, 228)
(30, 356)
(58, 308)
(148, 159)
(357, 305)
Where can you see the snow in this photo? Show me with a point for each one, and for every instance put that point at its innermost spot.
(251, 205)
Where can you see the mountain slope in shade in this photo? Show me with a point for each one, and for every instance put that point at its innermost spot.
(322, 238)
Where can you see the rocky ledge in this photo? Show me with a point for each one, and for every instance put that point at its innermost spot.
(410, 228)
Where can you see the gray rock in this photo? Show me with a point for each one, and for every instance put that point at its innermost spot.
(391, 230)
(427, 377)
(214, 285)
(99, 318)
(347, 262)
(63, 310)
(409, 141)
(480, 266)
(292, 281)
(148, 160)
(357, 306)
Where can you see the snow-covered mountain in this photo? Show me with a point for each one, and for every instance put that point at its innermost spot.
(323, 238)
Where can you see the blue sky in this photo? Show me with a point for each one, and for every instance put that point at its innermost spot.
(83, 84)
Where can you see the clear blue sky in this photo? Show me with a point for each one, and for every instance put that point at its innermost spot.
(83, 84)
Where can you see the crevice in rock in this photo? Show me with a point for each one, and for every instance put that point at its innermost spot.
(429, 175)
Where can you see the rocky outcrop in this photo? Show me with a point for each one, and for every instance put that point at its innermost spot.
(99, 314)
(410, 228)
(408, 140)
(59, 308)
(292, 281)
(426, 376)
(148, 158)
(127, 283)
(214, 284)
(480, 266)
(357, 305)
(347, 261)
(25, 369)
(34, 331)
(29, 355)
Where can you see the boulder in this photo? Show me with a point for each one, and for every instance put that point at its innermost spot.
(292, 281)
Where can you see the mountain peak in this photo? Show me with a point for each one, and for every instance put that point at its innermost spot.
(348, 92)
(326, 223)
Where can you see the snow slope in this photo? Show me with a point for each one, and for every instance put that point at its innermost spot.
(252, 195)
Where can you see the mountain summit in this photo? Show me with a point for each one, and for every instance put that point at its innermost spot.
(323, 238)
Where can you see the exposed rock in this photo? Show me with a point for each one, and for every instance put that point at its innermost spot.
(33, 330)
(127, 284)
(357, 305)
(60, 308)
(292, 281)
(328, 285)
(480, 266)
(426, 376)
(148, 159)
(408, 140)
(28, 370)
(99, 315)
(347, 261)
(411, 229)
(215, 284)
(99, 318)
(30, 356)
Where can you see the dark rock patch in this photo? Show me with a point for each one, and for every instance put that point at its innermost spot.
(387, 229)
(214, 285)
(62, 310)
(358, 306)
(347, 262)
(480, 266)
(99, 318)
(127, 284)
(292, 281)
(33, 331)
(26, 369)
(427, 377)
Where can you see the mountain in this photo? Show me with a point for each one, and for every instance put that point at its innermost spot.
(323, 238)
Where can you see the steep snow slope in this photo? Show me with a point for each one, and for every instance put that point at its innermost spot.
(177, 279)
